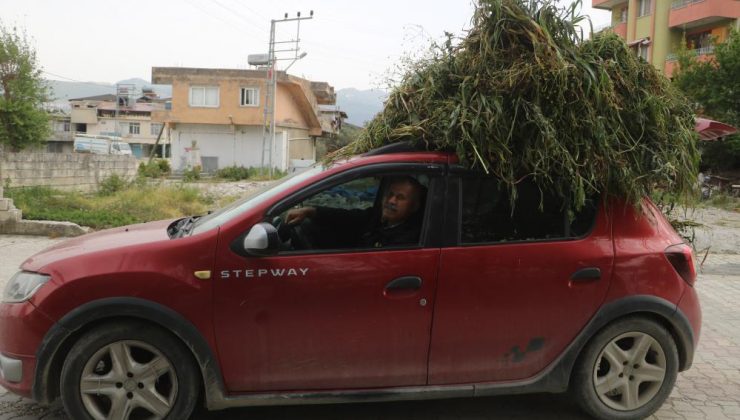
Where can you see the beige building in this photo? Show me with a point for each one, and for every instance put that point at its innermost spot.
(216, 117)
(97, 115)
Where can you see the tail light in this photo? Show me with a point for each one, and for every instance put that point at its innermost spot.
(682, 260)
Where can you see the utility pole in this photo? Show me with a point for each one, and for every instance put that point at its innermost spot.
(289, 53)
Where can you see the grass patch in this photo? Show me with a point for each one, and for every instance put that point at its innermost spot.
(724, 202)
(126, 205)
(238, 173)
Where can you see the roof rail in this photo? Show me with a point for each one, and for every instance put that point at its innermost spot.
(398, 147)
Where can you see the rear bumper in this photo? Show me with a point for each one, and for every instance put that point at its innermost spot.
(22, 327)
(689, 309)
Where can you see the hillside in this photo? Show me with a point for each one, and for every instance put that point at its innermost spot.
(63, 91)
(360, 105)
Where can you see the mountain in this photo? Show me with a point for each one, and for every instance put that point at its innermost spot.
(360, 105)
(64, 91)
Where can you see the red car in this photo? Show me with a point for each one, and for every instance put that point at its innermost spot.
(391, 276)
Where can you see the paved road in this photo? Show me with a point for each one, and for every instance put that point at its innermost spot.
(710, 390)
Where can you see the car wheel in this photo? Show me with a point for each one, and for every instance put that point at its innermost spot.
(129, 371)
(627, 370)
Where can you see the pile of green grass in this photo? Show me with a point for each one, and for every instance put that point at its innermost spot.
(523, 96)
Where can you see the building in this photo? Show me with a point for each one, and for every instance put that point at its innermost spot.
(216, 117)
(655, 29)
(131, 119)
(61, 136)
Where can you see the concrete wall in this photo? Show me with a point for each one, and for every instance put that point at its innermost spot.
(237, 145)
(63, 170)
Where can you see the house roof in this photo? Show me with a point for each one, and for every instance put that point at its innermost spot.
(137, 107)
(107, 97)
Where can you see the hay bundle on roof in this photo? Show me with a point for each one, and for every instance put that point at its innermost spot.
(522, 96)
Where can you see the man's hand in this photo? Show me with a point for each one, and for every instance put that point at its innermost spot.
(296, 216)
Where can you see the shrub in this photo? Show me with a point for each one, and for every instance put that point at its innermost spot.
(155, 169)
(191, 174)
(235, 173)
(111, 185)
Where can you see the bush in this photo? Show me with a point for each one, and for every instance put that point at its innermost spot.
(111, 185)
(191, 174)
(155, 169)
(235, 173)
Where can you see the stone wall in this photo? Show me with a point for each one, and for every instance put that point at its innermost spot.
(63, 170)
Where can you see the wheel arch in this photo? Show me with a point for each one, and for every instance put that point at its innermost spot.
(659, 310)
(62, 336)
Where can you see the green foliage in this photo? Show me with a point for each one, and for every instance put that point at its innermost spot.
(112, 185)
(130, 205)
(714, 88)
(191, 174)
(22, 121)
(157, 168)
(346, 135)
(522, 96)
(236, 173)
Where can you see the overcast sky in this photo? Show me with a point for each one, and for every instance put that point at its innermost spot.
(348, 43)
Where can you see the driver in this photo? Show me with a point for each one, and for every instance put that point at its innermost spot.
(399, 222)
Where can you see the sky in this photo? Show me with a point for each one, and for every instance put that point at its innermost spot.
(347, 43)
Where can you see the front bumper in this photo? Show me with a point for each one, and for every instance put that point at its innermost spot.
(22, 328)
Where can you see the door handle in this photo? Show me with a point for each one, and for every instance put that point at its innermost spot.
(586, 274)
(404, 283)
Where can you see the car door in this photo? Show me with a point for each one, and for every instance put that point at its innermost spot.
(514, 288)
(315, 319)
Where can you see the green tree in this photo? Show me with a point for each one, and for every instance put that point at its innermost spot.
(714, 88)
(23, 123)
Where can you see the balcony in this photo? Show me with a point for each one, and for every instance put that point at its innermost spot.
(702, 54)
(606, 4)
(688, 14)
(619, 28)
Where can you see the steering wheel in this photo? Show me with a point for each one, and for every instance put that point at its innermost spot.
(295, 236)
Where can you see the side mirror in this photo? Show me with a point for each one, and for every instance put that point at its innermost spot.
(262, 240)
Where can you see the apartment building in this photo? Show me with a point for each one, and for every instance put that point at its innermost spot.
(216, 117)
(655, 29)
(131, 119)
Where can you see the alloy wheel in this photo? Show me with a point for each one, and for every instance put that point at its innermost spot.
(629, 371)
(128, 380)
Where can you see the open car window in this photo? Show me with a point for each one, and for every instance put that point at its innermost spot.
(351, 216)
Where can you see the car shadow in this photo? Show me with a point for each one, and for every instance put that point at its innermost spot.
(540, 406)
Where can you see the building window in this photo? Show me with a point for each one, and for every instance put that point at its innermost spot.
(155, 128)
(642, 52)
(133, 128)
(204, 96)
(643, 8)
(249, 97)
(623, 15)
(67, 126)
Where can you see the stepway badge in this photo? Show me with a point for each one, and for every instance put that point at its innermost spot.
(250, 273)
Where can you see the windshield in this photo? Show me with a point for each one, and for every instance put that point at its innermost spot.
(238, 207)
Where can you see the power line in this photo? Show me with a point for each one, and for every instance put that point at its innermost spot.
(227, 8)
(232, 24)
(78, 81)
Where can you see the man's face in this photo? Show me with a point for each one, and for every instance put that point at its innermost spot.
(401, 201)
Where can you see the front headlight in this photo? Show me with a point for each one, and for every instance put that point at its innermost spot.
(22, 286)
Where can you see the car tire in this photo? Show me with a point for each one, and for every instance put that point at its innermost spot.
(626, 371)
(129, 370)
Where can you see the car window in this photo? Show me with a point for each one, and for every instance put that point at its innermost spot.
(381, 211)
(487, 216)
(356, 194)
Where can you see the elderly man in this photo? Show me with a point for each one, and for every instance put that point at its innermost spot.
(399, 222)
